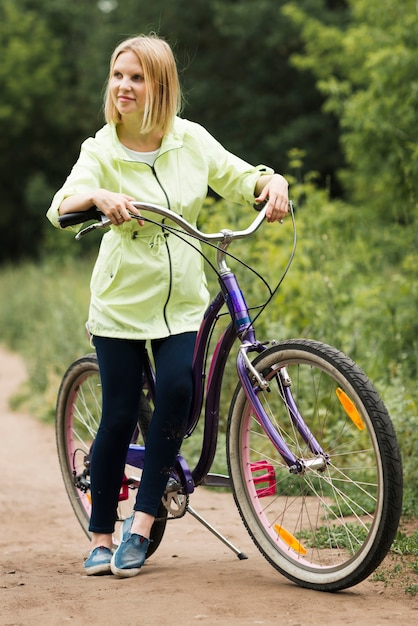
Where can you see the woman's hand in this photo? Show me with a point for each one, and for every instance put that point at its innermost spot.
(115, 206)
(274, 190)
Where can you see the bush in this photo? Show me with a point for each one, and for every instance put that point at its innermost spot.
(351, 284)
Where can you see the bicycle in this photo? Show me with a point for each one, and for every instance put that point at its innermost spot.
(313, 460)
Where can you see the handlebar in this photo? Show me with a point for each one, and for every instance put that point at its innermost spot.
(223, 237)
(226, 235)
(72, 219)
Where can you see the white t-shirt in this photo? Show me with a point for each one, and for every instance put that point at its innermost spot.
(142, 157)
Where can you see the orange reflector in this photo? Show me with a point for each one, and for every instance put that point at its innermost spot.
(288, 538)
(350, 408)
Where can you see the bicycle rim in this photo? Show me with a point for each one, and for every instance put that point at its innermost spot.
(77, 419)
(328, 528)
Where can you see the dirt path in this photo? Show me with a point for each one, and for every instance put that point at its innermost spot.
(192, 578)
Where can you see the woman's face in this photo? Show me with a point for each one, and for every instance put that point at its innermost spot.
(127, 85)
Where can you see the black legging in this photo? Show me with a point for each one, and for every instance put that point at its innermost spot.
(120, 364)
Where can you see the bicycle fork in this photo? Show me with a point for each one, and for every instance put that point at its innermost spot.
(252, 382)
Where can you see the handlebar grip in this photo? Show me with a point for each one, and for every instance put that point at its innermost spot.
(259, 206)
(71, 219)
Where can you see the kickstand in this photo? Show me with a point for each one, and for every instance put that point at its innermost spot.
(240, 555)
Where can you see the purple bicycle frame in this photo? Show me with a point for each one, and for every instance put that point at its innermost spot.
(241, 328)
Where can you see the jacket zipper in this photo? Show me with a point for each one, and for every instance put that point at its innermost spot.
(170, 282)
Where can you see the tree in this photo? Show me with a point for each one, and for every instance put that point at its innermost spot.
(233, 60)
(368, 72)
(30, 62)
(46, 108)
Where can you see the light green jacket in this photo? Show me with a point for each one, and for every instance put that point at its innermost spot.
(147, 284)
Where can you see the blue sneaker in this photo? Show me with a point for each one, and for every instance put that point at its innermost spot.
(131, 553)
(98, 561)
(126, 528)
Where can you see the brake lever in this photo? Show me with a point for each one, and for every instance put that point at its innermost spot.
(104, 221)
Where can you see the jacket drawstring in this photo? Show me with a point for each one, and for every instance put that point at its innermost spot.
(156, 242)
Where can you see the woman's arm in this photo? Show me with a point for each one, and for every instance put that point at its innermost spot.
(115, 206)
(75, 203)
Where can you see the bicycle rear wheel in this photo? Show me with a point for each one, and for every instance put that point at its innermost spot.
(77, 419)
(327, 528)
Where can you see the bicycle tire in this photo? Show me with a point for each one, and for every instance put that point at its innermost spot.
(78, 414)
(325, 530)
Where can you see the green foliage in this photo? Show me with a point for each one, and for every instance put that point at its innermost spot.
(265, 77)
(234, 67)
(367, 70)
(402, 563)
(351, 284)
(277, 82)
(42, 314)
(28, 68)
(334, 536)
(30, 64)
(406, 544)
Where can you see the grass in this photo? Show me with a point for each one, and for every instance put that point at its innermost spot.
(334, 537)
(400, 568)
(42, 316)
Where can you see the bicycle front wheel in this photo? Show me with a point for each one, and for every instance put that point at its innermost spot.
(328, 526)
(78, 416)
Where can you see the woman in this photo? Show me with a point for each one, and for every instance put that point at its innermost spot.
(146, 285)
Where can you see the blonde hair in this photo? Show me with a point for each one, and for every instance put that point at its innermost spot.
(163, 93)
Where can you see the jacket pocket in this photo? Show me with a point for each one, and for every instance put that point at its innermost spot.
(106, 269)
